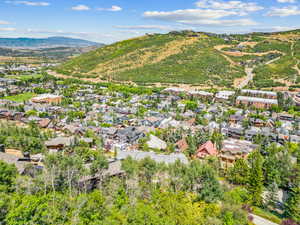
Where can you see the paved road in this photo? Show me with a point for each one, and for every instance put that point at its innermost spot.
(257, 220)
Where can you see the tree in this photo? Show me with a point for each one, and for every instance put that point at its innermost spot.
(239, 173)
(201, 178)
(99, 165)
(8, 176)
(92, 208)
(292, 205)
(256, 178)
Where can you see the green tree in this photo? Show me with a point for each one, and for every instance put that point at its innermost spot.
(8, 176)
(292, 205)
(239, 173)
(256, 178)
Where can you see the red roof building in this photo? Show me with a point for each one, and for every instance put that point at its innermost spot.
(207, 149)
(182, 145)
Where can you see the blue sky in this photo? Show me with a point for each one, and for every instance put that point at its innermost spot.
(113, 20)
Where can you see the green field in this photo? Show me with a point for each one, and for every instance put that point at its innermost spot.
(25, 77)
(21, 97)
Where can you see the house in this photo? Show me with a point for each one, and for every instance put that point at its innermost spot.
(47, 98)
(181, 145)
(233, 149)
(201, 94)
(59, 143)
(260, 103)
(207, 149)
(285, 116)
(236, 118)
(44, 123)
(235, 132)
(15, 160)
(174, 91)
(159, 158)
(156, 143)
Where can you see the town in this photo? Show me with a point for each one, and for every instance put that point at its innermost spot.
(167, 125)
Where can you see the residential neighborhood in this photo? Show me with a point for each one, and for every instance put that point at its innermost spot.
(165, 125)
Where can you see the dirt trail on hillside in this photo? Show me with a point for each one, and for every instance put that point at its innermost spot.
(240, 83)
(296, 67)
(239, 53)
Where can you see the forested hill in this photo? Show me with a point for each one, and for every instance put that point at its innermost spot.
(195, 58)
(45, 42)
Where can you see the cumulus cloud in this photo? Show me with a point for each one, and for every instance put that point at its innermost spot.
(200, 17)
(3, 22)
(281, 28)
(285, 11)
(80, 8)
(188, 14)
(114, 8)
(7, 29)
(242, 8)
(29, 3)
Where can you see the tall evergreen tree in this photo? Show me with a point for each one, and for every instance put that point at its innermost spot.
(292, 205)
(256, 178)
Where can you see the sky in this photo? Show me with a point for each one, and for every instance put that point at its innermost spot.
(108, 21)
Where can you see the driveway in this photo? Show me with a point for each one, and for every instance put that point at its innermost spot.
(257, 220)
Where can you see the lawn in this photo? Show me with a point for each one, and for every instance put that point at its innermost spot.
(267, 215)
(26, 77)
(20, 97)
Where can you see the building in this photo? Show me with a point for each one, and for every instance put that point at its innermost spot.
(207, 149)
(224, 95)
(297, 99)
(159, 158)
(47, 98)
(258, 93)
(233, 149)
(201, 94)
(174, 90)
(260, 103)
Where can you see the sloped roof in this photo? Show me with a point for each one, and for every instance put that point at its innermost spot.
(209, 147)
(159, 158)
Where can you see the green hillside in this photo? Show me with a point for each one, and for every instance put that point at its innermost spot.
(193, 58)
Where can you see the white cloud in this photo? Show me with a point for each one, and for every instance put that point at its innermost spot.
(286, 1)
(80, 8)
(3, 22)
(228, 23)
(29, 3)
(145, 27)
(7, 29)
(285, 11)
(188, 14)
(114, 8)
(241, 8)
(200, 17)
(280, 28)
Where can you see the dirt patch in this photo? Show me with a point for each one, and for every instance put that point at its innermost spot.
(248, 43)
(239, 53)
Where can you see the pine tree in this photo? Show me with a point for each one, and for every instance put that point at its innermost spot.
(256, 178)
(292, 205)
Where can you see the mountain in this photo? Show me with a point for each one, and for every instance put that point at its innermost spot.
(45, 42)
(203, 59)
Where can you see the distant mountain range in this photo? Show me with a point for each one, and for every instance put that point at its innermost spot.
(46, 42)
